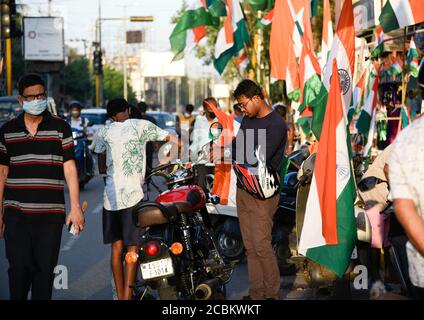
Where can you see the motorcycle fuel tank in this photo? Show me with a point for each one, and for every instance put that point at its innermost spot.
(192, 194)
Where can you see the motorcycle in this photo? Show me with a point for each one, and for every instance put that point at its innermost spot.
(178, 257)
(83, 158)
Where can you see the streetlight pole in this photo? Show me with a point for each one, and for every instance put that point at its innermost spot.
(99, 77)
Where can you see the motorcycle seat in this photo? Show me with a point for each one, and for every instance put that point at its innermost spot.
(152, 213)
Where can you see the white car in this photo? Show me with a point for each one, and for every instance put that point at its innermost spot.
(97, 118)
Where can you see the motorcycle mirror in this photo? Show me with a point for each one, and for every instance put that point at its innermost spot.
(368, 183)
(215, 130)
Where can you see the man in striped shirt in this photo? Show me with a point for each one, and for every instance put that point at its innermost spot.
(36, 157)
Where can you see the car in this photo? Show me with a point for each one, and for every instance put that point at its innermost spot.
(97, 118)
(164, 120)
(9, 108)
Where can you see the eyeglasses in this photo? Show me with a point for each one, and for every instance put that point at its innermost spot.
(242, 106)
(31, 97)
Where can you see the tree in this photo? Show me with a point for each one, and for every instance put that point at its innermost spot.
(77, 77)
(113, 85)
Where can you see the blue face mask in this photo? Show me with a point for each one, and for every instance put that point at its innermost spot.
(35, 107)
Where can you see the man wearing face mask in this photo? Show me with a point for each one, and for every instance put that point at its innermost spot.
(36, 157)
(77, 121)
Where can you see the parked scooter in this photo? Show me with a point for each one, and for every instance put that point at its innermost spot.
(392, 237)
(83, 158)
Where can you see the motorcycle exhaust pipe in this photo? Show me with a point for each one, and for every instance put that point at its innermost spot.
(206, 289)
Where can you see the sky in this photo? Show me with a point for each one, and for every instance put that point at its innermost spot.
(80, 18)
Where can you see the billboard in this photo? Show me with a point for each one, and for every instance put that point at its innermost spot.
(160, 64)
(44, 39)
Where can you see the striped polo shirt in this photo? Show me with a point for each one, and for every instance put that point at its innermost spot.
(35, 183)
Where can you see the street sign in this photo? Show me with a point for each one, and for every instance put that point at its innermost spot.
(135, 36)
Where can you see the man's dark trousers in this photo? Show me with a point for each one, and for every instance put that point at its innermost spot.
(33, 251)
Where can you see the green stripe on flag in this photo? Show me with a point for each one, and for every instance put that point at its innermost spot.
(189, 20)
(262, 5)
(337, 257)
(318, 105)
(388, 18)
(364, 122)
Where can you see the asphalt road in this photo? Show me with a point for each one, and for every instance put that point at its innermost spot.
(87, 262)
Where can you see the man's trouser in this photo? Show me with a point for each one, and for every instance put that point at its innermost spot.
(256, 221)
(33, 251)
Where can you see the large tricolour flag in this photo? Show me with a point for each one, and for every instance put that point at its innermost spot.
(232, 36)
(343, 50)
(329, 231)
(401, 13)
(190, 29)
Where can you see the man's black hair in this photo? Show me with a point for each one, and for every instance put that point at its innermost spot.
(249, 89)
(29, 80)
(75, 104)
(115, 106)
(142, 107)
(281, 109)
(189, 108)
(135, 112)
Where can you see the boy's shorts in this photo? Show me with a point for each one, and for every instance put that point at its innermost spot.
(119, 225)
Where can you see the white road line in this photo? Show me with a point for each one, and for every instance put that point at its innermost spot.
(73, 239)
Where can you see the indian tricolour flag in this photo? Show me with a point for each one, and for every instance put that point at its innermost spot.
(412, 59)
(364, 121)
(329, 231)
(309, 74)
(379, 40)
(358, 92)
(401, 13)
(232, 36)
(266, 20)
(225, 180)
(190, 29)
(327, 34)
(243, 59)
(343, 50)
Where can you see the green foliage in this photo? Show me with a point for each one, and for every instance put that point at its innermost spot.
(113, 85)
(77, 77)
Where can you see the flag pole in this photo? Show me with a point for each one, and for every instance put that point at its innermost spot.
(403, 80)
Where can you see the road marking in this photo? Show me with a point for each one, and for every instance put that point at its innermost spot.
(71, 241)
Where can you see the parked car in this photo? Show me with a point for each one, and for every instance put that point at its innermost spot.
(164, 120)
(9, 108)
(97, 118)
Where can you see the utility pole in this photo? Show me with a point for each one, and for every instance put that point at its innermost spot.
(6, 22)
(125, 56)
(50, 8)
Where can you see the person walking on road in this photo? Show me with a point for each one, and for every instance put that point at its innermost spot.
(36, 157)
(121, 146)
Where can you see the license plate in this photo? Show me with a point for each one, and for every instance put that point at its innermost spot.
(158, 268)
